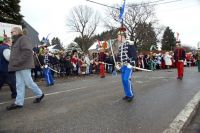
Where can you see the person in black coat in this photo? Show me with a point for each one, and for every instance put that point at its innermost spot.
(5, 76)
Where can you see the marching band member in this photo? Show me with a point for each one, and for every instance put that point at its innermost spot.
(179, 56)
(47, 72)
(127, 55)
(102, 57)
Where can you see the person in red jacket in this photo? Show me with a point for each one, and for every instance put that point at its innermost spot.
(179, 57)
(75, 62)
(102, 57)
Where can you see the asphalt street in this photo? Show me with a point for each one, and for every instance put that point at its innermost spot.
(90, 104)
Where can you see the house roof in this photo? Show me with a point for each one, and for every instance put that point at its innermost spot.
(58, 46)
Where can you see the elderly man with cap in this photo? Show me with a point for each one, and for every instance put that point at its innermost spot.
(179, 57)
(127, 55)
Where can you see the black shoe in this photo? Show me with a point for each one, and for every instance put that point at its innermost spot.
(180, 78)
(14, 106)
(13, 96)
(129, 99)
(124, 98)
(37, 100)
(50, 85)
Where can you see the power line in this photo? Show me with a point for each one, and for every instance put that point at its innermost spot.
(151, 2)
(103, 4)
(156, 2)
(119, 8)
(166, 2)
(148, 3)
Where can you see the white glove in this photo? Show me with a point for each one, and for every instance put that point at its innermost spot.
(117, 67)
(129, 66)
(74, 65)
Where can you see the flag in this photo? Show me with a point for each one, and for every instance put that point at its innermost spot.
(105, 45)
(99, 43)
(121, 14)
(46, 40)
(177, 36)
(4, 34)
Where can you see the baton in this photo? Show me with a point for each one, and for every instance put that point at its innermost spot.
(142, 69)
(42, 66)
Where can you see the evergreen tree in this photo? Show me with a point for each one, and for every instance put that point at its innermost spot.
(10, 12)
(146, 36)
(74, 46)
(55, 41)
(106, 35)
(168, 40)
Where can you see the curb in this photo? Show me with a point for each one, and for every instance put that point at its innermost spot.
(184, 117)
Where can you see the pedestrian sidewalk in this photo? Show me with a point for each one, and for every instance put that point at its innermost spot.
(194, 125)
(188, 120)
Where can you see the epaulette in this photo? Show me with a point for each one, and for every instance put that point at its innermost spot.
(130, 42)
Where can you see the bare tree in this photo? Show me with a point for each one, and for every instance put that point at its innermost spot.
(135, 16)
(83, 20)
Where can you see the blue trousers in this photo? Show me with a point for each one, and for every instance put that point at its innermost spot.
(23, 78)
(48, 76)
(126, 74)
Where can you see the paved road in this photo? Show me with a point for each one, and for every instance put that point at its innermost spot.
(94, 105)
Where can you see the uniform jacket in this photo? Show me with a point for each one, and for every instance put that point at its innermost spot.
(127, 52)
(102, 56)
(179, 54)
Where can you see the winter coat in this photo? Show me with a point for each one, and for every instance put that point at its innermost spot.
(168, 61)
(21, 56)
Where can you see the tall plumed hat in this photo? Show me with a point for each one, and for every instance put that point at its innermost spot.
(122, 31)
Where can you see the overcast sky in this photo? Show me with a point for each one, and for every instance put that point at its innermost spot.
(49, 17)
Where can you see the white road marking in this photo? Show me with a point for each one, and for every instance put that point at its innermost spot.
(48, 94)
(139, 82)
(114, 81)
(163, 77)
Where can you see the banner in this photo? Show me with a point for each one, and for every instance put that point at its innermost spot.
(121, 14)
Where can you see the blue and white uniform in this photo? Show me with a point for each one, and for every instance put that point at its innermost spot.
(47, 72)
(127, 55)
